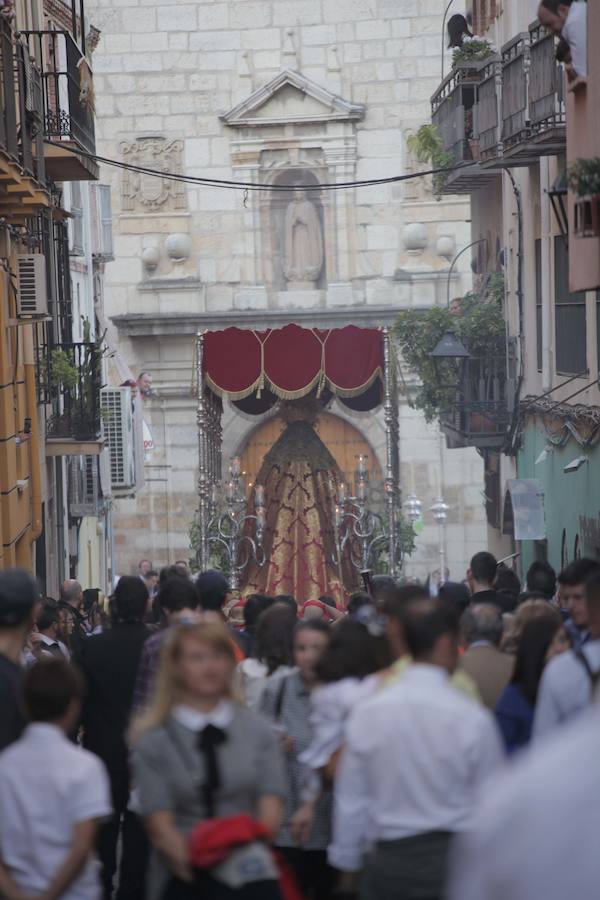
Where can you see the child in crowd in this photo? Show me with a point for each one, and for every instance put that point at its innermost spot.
(52, 796)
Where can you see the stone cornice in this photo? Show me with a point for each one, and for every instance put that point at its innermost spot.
(334, 107)
(151, 324)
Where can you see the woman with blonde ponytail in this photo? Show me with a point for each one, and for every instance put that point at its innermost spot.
(198, 756)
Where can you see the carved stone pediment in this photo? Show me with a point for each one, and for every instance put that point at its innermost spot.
(291, 98)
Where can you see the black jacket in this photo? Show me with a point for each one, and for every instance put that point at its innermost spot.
(505, 602)
(109, 663)
(12, 721)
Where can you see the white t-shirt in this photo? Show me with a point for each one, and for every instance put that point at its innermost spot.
(47, 786)
(575, 34)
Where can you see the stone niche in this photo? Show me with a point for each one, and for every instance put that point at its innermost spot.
(293, 131)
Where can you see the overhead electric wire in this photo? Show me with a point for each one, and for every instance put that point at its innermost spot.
(256, 186)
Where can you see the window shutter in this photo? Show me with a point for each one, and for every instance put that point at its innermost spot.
(105, 217)
(77, 220)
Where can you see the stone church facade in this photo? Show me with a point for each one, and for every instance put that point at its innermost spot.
(276, 93)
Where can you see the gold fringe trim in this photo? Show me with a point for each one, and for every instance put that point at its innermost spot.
(321, 379)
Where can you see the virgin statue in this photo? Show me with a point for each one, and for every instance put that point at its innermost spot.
(303, 237)
(300, 478)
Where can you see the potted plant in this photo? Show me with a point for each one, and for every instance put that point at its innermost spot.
(584, 179)
(473, 50)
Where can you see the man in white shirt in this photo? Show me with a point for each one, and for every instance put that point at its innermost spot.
(568, 680)
(52, 795)
(568, 18)
(416, 756)
(535, 836)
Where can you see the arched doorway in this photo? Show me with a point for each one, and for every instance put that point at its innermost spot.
(343, 440)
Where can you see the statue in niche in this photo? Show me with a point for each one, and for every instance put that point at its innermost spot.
(303, 243)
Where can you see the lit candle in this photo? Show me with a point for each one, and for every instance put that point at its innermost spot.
(338, 517)
(342, 494)
(362, 464)
(361, 489)
(259, 495)
(230, 491)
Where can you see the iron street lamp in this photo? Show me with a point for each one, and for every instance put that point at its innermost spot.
(449, 354)
(439, 510)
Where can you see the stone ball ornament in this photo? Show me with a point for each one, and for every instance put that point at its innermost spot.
(178, 246)
(414, 236)
(445, 246)
(150, 257)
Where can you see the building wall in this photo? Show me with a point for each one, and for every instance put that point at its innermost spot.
(583, 139)
(556, 407)
(571, 499)
(171, 73)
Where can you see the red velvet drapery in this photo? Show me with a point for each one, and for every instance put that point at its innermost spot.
(291, 362)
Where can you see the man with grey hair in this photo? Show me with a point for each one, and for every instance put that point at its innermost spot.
(71, 602)
(481, 629)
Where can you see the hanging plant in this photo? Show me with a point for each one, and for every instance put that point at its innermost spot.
(474, 50)
(428, 147)
(584, 176)
(478, 321)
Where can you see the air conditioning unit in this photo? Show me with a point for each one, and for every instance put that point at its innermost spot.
(84, 486)
(32, 299)
(117, 416)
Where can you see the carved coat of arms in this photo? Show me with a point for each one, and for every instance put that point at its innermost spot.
(148, 192)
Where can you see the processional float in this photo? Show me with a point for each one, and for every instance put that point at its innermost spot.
(296, 368)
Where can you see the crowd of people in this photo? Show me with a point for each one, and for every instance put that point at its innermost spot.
(424, 742)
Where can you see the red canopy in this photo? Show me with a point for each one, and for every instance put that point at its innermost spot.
(290, 362)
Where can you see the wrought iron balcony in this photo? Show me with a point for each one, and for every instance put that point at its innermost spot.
(480, 413)
(488, 112)
(71, 380)
(21, 137)
(516, 129)
(68, 104)
(547, 112)
(8, 95)
(453, 112)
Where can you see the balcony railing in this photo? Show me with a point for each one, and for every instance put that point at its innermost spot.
(8, 97)
(21, 105)
(547, 114)
(67, 87)
(515, 107)
(488, 112)
(480, 414)
(453, 113)
(71, 380)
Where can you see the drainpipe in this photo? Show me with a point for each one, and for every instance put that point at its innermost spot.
(546, 235)
(35, 440)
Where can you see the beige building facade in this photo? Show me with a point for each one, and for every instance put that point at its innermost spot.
(275, 93)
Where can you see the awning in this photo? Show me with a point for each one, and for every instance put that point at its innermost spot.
(258, 368)
(524, 510)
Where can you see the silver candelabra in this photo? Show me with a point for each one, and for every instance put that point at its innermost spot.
(229, 526)
(360, 531)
